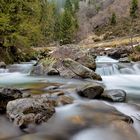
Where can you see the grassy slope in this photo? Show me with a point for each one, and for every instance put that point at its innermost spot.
(114, 42)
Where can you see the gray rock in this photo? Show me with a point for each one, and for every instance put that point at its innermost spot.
(44, 70)
(120, 52)
(124, 60)
(91, 91)
(6, 95)
(80, 70)
(115, 95)
(2, 65)
(52, 72)
(88, 61)
(29, 110)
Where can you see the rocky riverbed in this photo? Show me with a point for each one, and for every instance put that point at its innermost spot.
(70, 97)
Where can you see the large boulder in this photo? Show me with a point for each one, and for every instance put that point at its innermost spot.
(67, 51)
(6, 95)
(80, 70)
(29, 110)
(90, 91)
(75, 53)
(115, 95)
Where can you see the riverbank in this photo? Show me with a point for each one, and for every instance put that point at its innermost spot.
(10, 55)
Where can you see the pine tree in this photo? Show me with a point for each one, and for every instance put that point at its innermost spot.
(133, 15)
(113, 19)
(34, 22)
(75, 4)
(68, 24)
(68, 6)
(134, 8)
(19, 22)
(48, 19)
(67, 28)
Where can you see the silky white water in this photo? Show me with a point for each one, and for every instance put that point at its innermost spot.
(120, 76)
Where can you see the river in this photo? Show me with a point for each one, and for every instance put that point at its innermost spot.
(115, 76)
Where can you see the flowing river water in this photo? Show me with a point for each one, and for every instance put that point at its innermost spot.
(115, 76)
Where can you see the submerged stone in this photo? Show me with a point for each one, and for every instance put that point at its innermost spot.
(115, 95)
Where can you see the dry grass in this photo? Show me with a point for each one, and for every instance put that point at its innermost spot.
(113, 43)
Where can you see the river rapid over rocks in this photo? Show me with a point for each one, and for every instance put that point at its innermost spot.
(41, 107)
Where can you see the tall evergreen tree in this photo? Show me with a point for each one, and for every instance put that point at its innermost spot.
(67, 28)
(133, 15)
(134, 8)
(113, 19)
(19, 22)
(68, 6)
(76, 5)
(31, 23)
(69, 23)
(48, 19)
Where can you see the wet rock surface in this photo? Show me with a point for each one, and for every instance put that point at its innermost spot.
(120, 52)
(114, 95)
(80, 70)
(124, 60)
(52, 72)
(88, 61)
(90, 91)
(29, 110)
(2, 65)
(114, 52)
(6, 95)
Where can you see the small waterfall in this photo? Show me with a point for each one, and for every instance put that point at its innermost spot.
(108, 66)
(105, 59)
(117, 75)
(17, 74)
(22, 68)
(108, 70)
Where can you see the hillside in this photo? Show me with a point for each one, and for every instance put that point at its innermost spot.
(95, 17)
